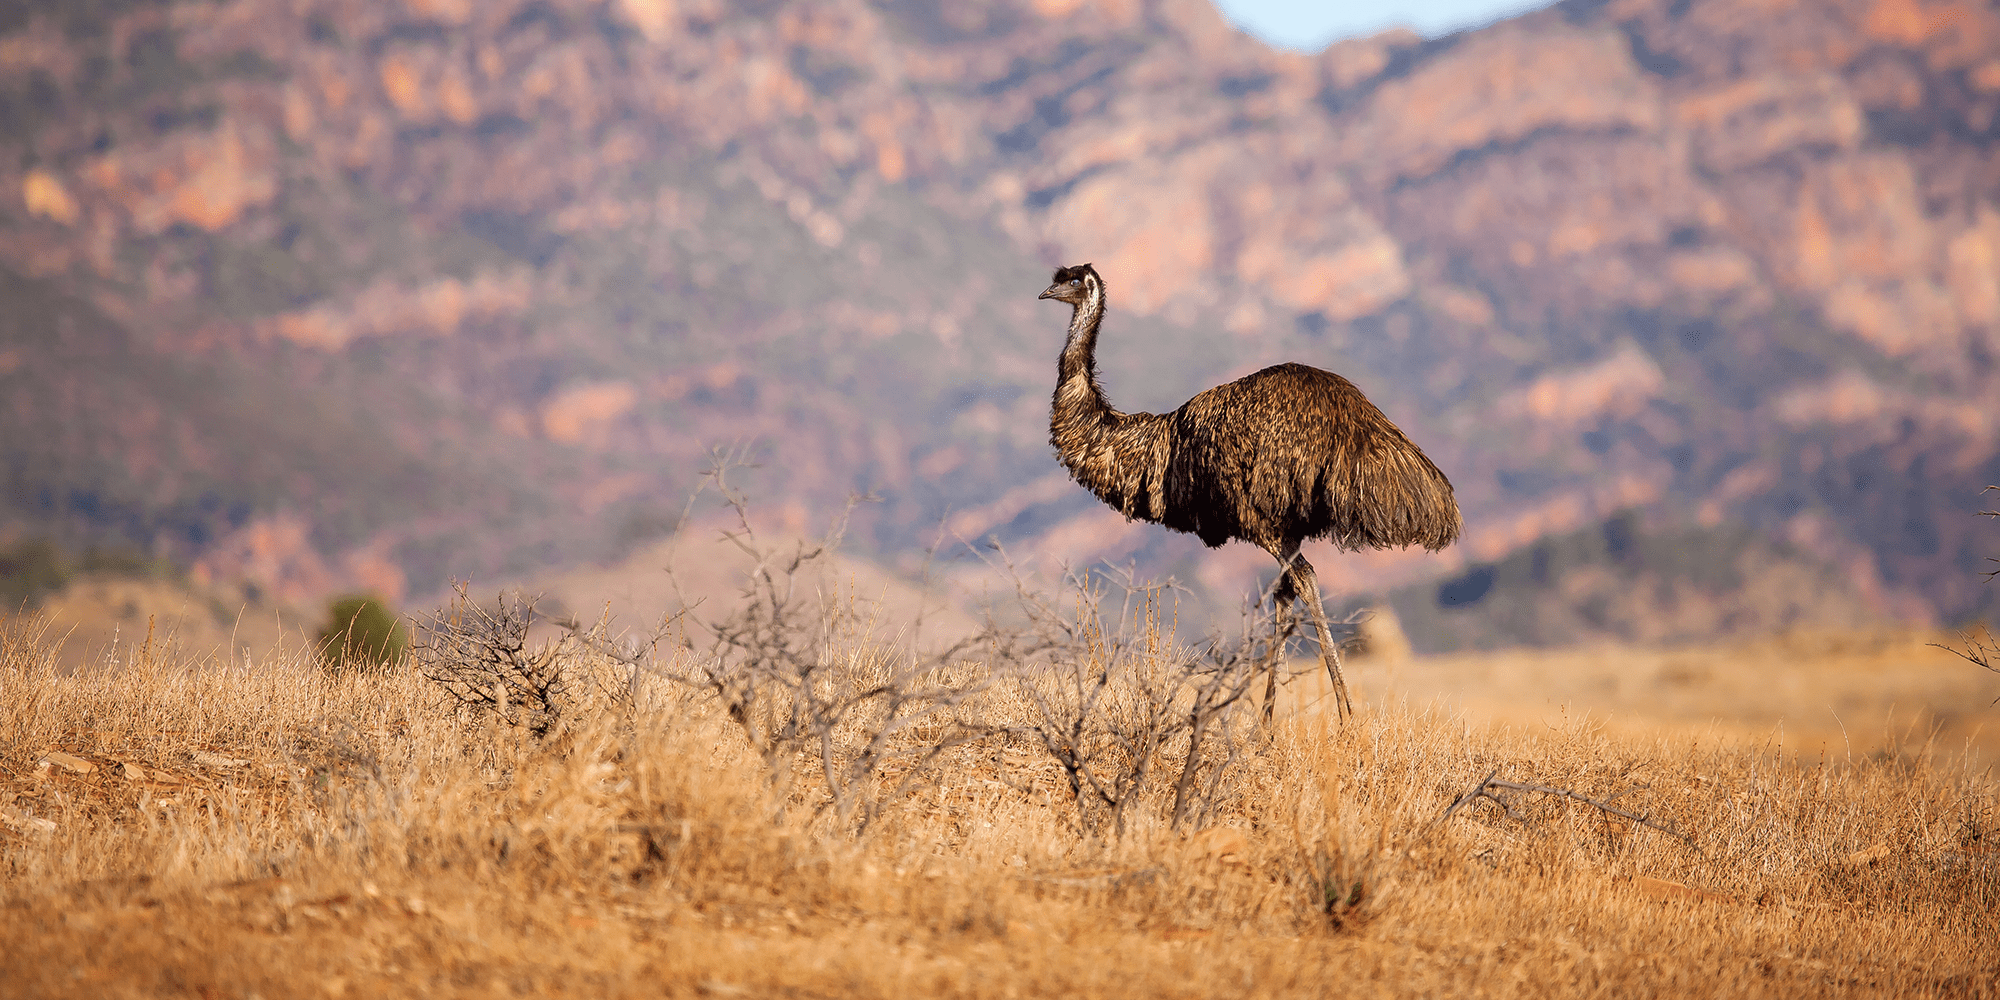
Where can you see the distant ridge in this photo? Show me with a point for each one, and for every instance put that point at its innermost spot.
(342, 293)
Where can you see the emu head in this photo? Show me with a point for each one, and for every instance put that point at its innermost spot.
(1073, 284)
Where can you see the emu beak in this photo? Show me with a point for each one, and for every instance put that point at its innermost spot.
(1049, 292)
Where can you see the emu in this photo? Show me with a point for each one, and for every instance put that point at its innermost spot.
(1287, 454)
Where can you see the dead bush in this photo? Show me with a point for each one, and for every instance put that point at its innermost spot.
(844, 721)
(483, 658)
(1112, 697)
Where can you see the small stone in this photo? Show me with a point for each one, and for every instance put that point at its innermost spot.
(1868, 856)
(1660, 888)
(32, 825)
(1221, 843)
(132, 772)
(68, 762)
(216, 760)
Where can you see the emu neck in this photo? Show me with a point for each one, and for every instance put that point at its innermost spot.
(1079, 399)
(1121, 457)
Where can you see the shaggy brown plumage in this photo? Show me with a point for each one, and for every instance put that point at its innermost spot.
(1287, 454)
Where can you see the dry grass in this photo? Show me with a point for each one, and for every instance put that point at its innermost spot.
(281, 832)
(1807, 695)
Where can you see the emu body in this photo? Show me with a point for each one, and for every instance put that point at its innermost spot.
(1277, 457)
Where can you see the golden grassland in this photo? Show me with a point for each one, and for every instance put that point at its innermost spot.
(176, 826)
(1805, 695)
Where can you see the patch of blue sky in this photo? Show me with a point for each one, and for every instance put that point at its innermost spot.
(1311, 25)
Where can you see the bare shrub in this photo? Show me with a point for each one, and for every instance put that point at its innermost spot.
(848, 722)
(1113, 697)
(805, 675)
(483, 658)
(799, 678)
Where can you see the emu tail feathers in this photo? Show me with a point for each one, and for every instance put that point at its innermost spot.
(1393, 498)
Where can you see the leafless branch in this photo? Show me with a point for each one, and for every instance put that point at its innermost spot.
(1488, 788)
(1981, 650)
(1601, 805)
(1990, 574)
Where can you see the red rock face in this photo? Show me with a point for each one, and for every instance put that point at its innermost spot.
(473, 269)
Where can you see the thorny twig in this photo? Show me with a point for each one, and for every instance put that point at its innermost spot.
(1603, 805)
(1993, 573)
(1980, 650)
(593, 637)
(1487, 786)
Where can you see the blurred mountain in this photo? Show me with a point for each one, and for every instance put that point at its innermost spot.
(1625, 581)
(342, 294)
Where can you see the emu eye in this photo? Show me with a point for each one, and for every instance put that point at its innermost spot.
(1076, 281)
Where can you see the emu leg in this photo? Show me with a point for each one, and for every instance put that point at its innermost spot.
(1285, 625)
(1284, 590)
(1329, 654)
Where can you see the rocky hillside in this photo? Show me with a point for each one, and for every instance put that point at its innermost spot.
(336, 293)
